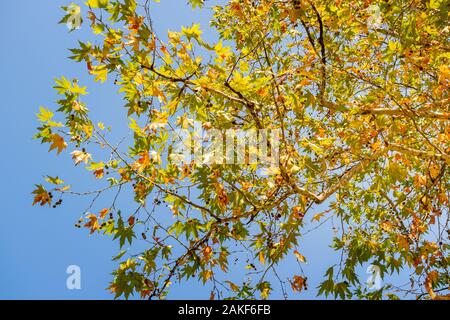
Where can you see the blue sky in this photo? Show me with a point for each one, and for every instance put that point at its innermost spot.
(38, 243)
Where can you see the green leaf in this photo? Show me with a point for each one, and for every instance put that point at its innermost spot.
(119, 256)
(197, 3)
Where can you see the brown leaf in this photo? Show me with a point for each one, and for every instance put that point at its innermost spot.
(99, 173)
(92, 224)
(57, 143)
(41, 196)
(298, 283)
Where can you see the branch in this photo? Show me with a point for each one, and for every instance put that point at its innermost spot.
(396, 112)
(391, 112)
(415, 152)
(249, 104)
(346, 177)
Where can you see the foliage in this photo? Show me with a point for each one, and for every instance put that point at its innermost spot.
(364, 114)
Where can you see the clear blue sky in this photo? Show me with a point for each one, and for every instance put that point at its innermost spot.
(37, 244)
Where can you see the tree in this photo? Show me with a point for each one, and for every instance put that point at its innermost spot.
(358, 93)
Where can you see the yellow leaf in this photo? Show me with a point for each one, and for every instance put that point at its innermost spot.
(88, 130)
(402, 242)
(100, 72)
(431, 279)
(206, 275)
(261, 257)
(299, 256)
(233, 287)
(97, 3)
(318, 216)
(44, 114)
(376, 145)
(101, 125)
(265, 293)
(192, 32)
(435, 169)
(222, 52)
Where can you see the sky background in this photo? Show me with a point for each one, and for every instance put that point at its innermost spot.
(37, 244)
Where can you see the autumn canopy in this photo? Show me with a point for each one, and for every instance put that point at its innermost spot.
(358, 91)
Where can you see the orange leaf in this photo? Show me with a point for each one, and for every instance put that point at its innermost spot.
(298, 283)
(57, 143)
(92, 223)
(299, 256)
(103, 213)
(99, 173)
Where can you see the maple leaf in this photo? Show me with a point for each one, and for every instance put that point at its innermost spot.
(99, 173)
(196, 3)
(430, 281)
(97, 3)
(145, 293)
(206, 275)
(142, 163)
(298, 283)
(261, 257)
(435, 170)
(299, 256)
(192, 32)
(80, 156)
(42, 196)
(222, 196)
(54, 180)
(134, 23)
(318, 216)
(103, 213)
(207, 251)
(233, 286)
(298, 212)
(402, 242)
(44, 114)
(92, 224)
(186, 171)
(363, 131)
(57, 143)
